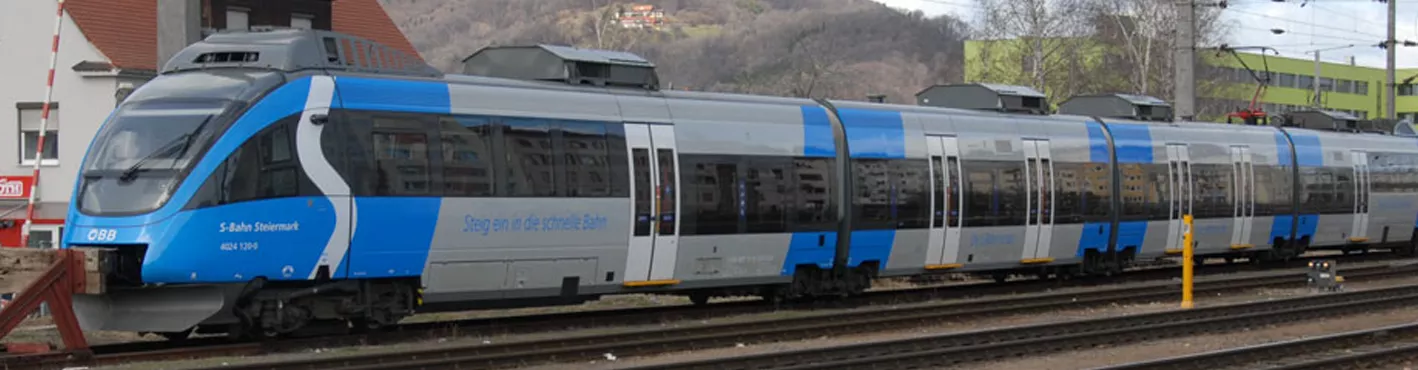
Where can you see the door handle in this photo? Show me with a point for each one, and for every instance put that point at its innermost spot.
(821, 240)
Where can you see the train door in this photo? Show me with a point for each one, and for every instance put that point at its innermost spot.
(1243, 191)
(1179, 189)
(1039, 180)
(1360, 160)
(654, 234)
(944, 248)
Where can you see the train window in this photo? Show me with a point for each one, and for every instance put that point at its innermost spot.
(872, 200)
(939, 192)
(617, 159)
(911, 198)
(527, 146)
(401, 155)
(1158, 193)
(952, 168)
(1096, 200)
(767, 197)
(467, 157)
(813, 181)
(583, 151)
(1068, 188)
(710, 195)
(1134, 188)
(644, 202)
(264, 167)
(667, 191)
(996, 193)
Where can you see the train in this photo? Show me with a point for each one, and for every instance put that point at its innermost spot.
(283, 182)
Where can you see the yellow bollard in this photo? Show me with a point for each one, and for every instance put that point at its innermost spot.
(1186, 261)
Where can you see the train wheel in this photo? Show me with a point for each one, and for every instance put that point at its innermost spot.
(699, 299)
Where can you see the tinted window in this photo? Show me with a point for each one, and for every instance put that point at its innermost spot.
(401, 147)
(711, 195)
(995, 193)
(813, 179)
(527, 143)
(262, 168)
(585, 156)
(912, 196)
(768, 196)
(467, 157)
(617, 158)
(938, 192)
(667, 191)
(644, 213)
(872, 198)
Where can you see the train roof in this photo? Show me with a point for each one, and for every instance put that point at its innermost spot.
(297, 51)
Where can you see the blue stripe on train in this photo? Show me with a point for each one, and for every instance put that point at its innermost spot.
(817, 133)
(1131, 234)
(394, 95)
(805, 249)
(1308, 151)
(1095, 236)
(1133, 142)
(1282, 149)
(874, 133)
(870, 245)
(819, 247)
(393, 236)
(1097, 143)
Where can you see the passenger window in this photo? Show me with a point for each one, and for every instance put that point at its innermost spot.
(813, 182)
(528, 155)
(584, 155)
(872, 198)
(910, 202)
(401, 155)
(467, 157)
(767, 197)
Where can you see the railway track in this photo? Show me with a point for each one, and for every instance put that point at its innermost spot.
(1363, 349)
(957, 349)
(218, 346)
(876, 319)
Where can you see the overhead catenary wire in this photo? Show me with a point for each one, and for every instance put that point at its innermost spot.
(1376, 38)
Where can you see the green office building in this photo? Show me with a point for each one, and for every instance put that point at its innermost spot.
(1223, 82)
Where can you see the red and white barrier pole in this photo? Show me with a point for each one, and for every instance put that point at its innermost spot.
(43, 126)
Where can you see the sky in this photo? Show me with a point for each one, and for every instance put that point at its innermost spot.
(1319, 24)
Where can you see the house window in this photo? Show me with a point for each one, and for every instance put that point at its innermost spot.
(301, 21)
(30, 114)
(238, 19)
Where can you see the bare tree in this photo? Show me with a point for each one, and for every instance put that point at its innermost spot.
(1040, 33)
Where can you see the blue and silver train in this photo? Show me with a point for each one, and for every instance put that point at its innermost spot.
(272, 182)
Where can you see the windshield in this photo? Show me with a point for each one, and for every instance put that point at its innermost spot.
(138, 156)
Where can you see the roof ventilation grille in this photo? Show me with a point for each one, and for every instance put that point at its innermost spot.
(1327, 120)
(292, 50)
(571, 65)
(1129, 106)
(983, 96)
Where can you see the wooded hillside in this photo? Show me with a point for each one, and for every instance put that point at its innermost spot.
(776, 47)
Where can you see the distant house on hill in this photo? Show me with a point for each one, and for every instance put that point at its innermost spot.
(641, 16)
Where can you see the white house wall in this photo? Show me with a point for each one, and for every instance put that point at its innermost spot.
(84, 102)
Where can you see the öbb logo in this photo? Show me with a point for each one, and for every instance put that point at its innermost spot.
(12, 188)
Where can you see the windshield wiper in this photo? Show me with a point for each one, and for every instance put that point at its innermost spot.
(186, 140)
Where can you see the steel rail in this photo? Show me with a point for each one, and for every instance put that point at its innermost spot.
(1350, 350)
(218, 346)
(656, 341)
(956, 349)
